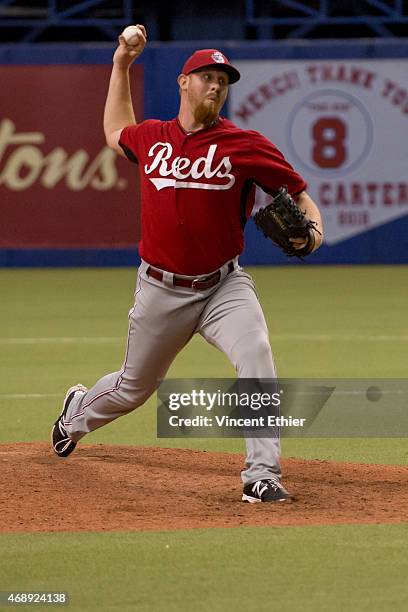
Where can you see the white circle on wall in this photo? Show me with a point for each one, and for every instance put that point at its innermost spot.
(330, 133)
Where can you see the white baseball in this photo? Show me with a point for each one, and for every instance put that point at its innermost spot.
(132, 35)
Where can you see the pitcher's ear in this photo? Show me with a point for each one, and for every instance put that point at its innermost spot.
(182, 80)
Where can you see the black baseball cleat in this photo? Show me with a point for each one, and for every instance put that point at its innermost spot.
(265, 491)
(61, 442)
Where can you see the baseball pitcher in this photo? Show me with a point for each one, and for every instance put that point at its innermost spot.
(198, 176)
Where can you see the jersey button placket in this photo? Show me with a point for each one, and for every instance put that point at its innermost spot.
(178, 194)
(182, 195)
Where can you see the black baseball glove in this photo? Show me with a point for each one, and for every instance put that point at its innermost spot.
(282, 219)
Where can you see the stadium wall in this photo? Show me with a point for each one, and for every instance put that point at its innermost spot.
(64, 201)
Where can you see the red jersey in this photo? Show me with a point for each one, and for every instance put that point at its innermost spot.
(198, 190)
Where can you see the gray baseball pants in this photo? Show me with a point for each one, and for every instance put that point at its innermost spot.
(162, 321)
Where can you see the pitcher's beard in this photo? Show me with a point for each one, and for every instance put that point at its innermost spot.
(206, 113)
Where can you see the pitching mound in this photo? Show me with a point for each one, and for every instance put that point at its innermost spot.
(104, 488)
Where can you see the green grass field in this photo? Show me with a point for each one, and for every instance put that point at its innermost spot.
(59, 327)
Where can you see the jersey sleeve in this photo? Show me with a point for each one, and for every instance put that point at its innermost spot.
(128, 141)
(268, 167)
(132, 139)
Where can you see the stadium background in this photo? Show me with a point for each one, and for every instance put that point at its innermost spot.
(42, 204)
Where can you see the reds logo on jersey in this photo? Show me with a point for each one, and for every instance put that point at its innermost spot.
(182, 168)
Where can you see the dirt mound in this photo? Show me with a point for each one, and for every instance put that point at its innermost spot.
(103, 488)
